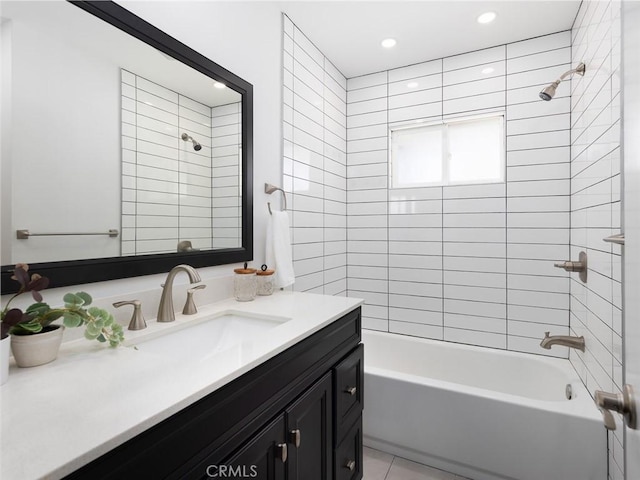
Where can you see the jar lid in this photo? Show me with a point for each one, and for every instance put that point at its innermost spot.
(265, 272)
(245, 271)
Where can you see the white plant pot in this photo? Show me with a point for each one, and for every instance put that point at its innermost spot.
(5, 348)
(37, 349)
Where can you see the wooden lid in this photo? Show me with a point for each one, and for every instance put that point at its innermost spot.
(245, 271)
(265, 272)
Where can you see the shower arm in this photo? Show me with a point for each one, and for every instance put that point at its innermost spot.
(580, 69)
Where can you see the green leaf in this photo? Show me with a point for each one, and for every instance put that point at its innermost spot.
(101, 338)
(92, 329)
(72, 319)
(89, 336)
(38, 309)
(86, 298)
(26, 328)
(72, 300)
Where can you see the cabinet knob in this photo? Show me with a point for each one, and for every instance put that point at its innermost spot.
(282, 451)
(294, 436)
(351, 465)
(351, 390)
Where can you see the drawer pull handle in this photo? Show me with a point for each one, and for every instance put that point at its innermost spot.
(351, 465)
(282, 447)
(295, 437)
(351, 390)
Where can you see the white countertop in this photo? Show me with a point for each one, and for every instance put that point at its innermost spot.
(60, 416)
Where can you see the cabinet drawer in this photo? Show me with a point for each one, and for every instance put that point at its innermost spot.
(348, 455)
(348, 391)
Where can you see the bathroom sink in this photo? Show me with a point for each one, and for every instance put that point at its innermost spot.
(209, 335)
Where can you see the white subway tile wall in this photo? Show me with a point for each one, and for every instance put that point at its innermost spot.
(315, 158)
(596, 307)
(170, 192)
(467, 263)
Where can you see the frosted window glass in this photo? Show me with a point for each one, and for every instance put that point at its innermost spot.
(416, 156)
(475, 151)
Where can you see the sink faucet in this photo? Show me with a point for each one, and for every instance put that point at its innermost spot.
(566, 340)
(165, 309)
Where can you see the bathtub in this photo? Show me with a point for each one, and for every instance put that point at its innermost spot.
(480, 413)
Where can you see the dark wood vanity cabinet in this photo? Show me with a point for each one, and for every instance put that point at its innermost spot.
(298, 416)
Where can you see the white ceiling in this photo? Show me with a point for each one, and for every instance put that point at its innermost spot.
(349, 32)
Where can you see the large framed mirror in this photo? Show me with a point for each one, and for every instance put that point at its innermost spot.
(124, 152)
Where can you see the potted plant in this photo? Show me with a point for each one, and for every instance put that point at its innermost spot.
(35, 340)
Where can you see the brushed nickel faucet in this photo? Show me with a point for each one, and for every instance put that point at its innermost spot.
(566, 340)
(165, 309)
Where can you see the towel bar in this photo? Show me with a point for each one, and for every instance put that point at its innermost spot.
(268, 188)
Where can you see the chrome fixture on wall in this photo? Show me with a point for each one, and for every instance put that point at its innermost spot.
(566, 340)
(196, 146)
(624, 403)
(572, 266)
(548, 92)
(268, 188)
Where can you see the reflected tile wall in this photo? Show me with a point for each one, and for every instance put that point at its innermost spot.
(166, 184)
(596, 307)
(315, 171)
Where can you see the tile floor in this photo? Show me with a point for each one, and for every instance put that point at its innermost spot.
(384, 466)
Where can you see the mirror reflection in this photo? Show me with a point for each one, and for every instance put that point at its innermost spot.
(110, 147)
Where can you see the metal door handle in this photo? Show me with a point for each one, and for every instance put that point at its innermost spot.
(617, 239)
(282, 451)
(623, 403)
(351, 465)
(351, 390)
(295, 437)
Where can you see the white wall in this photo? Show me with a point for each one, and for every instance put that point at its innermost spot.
(61, 129)
(596, 182)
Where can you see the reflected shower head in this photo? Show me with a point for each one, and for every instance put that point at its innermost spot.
(548, 92)
(196, 146)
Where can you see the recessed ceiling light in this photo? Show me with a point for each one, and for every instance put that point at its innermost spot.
(487, 70)
(219, 85)
(388, 42)
(487, 17)
(412, 84)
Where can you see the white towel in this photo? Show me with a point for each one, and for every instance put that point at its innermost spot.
(278, 246)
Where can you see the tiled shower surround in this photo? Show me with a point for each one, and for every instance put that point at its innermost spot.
(470, 264)
(474, 264)
(596, 307)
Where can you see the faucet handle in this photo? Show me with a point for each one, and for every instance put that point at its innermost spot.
(190, 306)
(622, 403)
(137, 319)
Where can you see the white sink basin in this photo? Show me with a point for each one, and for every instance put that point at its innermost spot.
(208, 335)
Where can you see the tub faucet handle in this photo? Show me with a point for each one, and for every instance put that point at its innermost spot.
(623, 403)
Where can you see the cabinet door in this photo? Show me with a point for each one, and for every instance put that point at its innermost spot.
(348, 381)
(263, 457)
(309, 424)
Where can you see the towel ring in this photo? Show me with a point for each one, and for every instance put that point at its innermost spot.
(268, 188)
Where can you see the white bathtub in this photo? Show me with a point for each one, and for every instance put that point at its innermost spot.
(480, 413)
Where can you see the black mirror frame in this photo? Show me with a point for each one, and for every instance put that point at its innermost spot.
(76, 272)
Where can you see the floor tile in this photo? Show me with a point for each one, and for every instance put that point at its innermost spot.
(376, 464)
(402, 469)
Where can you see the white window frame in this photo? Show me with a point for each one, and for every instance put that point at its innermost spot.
(446, 155)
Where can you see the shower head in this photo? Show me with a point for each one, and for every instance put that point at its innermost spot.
(548, 92)
(196, 146)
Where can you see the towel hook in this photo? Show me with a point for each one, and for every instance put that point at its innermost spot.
(268, 188)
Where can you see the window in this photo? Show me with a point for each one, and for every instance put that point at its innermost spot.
(453, 153)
